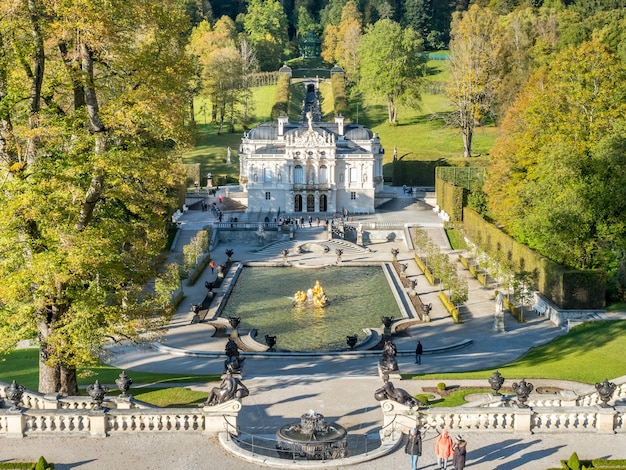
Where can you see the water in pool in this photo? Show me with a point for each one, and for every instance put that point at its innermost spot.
(358, 297)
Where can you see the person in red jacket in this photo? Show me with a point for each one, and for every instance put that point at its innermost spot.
(443, 449)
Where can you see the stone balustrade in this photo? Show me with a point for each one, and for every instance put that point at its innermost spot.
(97, 423)
(508, 419)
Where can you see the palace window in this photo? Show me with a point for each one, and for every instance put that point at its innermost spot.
(353, 195)
(353, 175)
(323, 175)
(298, 175)
(268, 195)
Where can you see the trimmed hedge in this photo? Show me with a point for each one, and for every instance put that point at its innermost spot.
(429, 275)
(414, 172)
(338, 86)
(575, 463)
(451, 199)
(199, 269)
(452, 310)
(281, 105)
(567, 288)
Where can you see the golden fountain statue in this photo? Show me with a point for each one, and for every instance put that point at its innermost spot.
(315, 297)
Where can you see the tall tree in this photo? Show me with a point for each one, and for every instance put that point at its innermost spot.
(341, 42)
(558, 157)
(265, 24)
(475, 68)
(390, 65)
(85, 213)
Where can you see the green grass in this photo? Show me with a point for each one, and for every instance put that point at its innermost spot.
(22, 366)
(589, 353)
(421, 134)
(456, 398)
(171, 397)
(455, 236)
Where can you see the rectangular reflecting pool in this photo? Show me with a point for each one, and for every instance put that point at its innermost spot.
(357, 298)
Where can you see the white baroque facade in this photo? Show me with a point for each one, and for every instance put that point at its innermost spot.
(310, 167)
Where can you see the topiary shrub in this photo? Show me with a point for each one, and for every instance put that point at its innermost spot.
(423, 398)
(441, 386)
(574, 462)
(42, 464)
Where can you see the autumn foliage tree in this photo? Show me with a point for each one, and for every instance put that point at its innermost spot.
(475, 68)
(92, 99)
(555, 183)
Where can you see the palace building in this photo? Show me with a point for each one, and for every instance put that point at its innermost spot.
(311, 166)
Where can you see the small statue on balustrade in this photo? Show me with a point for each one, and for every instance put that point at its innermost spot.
(388, 362)
(230, 388)
(389, 392)
(233, 362)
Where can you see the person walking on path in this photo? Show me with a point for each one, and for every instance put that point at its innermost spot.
(413, 447)
(458, 453)
(419, 349)
(443, 449)
(212, 265)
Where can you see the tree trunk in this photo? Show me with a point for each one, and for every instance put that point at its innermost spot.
(74, 72)
(49, 376)
(467, 142)
(8, 153)
(96, 187)
(69, 382)
(34, 105)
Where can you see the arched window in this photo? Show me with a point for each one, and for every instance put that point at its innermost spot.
(297, 203)
(310, 203)
(323, 175)
(323, 203)
(298, 175)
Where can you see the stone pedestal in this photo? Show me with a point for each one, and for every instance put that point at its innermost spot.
(394, 375)
(16, 423)
(523, 421)
(221, 418)
(124, 403)
(606, 420)
(98, 424)
(398, 417)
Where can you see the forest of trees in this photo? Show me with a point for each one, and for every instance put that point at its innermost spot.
(95, 109)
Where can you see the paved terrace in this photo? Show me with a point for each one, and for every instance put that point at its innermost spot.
(341, 387)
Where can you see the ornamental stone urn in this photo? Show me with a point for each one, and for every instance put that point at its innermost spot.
(97, 392)
(234, 321)
(394, 253)
(123, 384)
(270, 340)
(496, 381)
(605, 390)
(523, 390)
(352, 340)
(229, 252)
(14, 393)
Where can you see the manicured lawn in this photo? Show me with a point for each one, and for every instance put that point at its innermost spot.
(22, 366)
(589, 353)
(421, 134)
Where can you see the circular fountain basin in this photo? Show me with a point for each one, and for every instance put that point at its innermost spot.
(312, 439)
